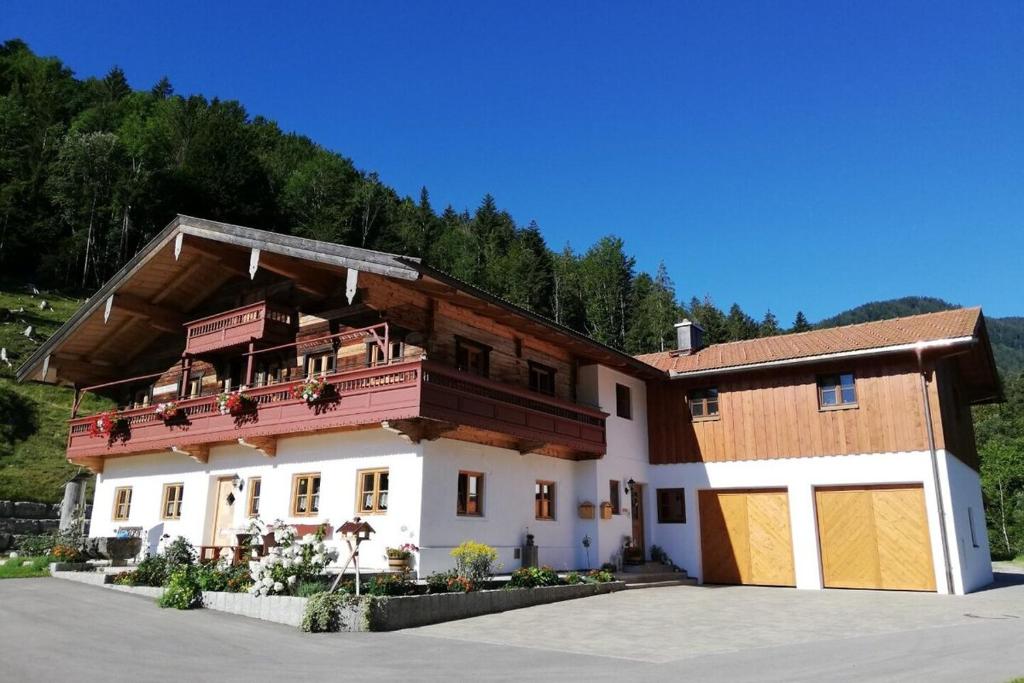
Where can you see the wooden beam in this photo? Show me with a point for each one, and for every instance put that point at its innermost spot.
(307, 278)
(192, 270)
(525, 447)
(198, 452)
(418, 429)
(265, 445)
(93, 463)
(160, 318)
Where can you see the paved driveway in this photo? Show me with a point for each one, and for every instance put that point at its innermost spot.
(57, 630)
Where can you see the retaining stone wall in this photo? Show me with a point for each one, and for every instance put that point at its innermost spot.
(26, 518)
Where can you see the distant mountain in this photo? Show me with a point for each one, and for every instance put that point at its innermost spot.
(1007, 334)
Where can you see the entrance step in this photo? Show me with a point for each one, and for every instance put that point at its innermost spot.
(687, 581)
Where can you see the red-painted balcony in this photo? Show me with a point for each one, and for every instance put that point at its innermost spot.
(416, 397)
(259, 321)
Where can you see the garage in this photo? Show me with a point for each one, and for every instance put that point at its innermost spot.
(874, 537)
(745, 537)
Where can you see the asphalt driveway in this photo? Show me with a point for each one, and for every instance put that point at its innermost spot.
(53, 630)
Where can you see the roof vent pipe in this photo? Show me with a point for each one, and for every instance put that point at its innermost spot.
(689, 337)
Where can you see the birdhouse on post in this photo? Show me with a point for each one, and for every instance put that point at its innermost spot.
(354, 532)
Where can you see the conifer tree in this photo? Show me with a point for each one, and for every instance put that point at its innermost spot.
(800, 323)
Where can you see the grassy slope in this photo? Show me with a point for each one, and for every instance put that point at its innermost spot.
(33, 427)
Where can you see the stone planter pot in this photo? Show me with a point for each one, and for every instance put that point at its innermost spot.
(399, 563)
(113, 548)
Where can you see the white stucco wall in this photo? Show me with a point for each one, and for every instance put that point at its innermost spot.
(337, 457)
(800, 476)
(969, 555)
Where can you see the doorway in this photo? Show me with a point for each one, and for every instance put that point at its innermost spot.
(223, 519)
(636, 510)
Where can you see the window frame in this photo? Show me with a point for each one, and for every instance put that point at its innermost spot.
(253, 496)
(332, 363)
(628, 395)
(614, 498)
(539, 499)
(541, 370)
(702, 397)
(823, 383)
(118, 503)
(167, 500)
(312, 495)
(462, 498)
(663, 508)
(462, 343)
(374, 509)
(396, 352)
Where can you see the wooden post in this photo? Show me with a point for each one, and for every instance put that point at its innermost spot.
(186, 367)
(248, 366)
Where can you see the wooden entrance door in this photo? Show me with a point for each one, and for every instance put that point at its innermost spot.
(636, 507)
(874, 537)
(223, 519)
(745, 537)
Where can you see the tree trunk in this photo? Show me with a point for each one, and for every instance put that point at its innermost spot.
(88, 239)
(1002, 518)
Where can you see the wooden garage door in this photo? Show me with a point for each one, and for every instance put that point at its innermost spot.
(745, 537)
(875, 537)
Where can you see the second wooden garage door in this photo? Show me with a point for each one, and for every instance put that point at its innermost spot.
(745, 537)
(875, 537)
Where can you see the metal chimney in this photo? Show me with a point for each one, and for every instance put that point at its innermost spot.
(689, 337)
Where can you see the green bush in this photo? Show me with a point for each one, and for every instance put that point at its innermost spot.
(388, 585)
(600, 576)
(37, 544)
(438, 581)
(179, 553)
(475, 561)
(307, 589)
(573, 578)
(232, 579)
(152, 571)
(323, 613)
(183, 591)
(532, 577)
(608, 567)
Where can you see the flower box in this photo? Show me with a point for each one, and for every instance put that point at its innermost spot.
(586, 510)
(606, 510)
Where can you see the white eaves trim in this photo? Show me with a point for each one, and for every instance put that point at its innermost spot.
(804, 360)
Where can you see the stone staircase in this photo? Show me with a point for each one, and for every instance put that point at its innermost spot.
(654, 575)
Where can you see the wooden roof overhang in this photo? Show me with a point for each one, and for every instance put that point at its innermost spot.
(167, 282)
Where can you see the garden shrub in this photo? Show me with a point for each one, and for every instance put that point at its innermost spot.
(608, 567)
(290, 562)
(573, 578)
(388, 585)
(438, 581)
(66, 553)
(183, 591)
(532, 577)
(323, 613)
(475, 561)
(179, 553)
(151, 571)
(37, 544)
(600, 576)
(460, 584)
(221, 576)
(308, 589)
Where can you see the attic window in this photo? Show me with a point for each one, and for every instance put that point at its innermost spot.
(837, 391)
(704, 403)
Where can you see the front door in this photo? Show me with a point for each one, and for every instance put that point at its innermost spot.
(636, 505)
(220, 532)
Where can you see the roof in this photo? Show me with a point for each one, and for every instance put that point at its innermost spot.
(159, 257)
(962, 325)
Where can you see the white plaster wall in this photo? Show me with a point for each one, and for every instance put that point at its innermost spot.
(508, 505)
(799, 476)
(337, 457)
(627, 458)
(971, 561)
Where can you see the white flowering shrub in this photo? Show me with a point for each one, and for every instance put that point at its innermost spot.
(289, 563)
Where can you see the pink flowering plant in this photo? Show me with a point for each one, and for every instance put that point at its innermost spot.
(402, 552)
(292, 561)
(167, 411)
(312, 390)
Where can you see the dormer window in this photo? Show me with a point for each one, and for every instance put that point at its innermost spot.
(837, 391)
(704, 403)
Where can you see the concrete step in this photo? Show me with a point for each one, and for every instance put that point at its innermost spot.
(688, 581)
(646, 568)
(653, 577)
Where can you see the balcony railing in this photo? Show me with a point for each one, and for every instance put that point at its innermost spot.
(261, 320)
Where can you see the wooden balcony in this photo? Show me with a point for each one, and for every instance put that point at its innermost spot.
(418, 398)
(260, 321)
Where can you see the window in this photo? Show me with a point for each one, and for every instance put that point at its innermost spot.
(671, 506)
(623, 402)
(373, 491)
(970, 521)
(171, 507)
(320, 363)
(195, 384)
(122, 503)
(268, 372)
(306, 495)
(472, 356)
(375, 356)
(704, 403)
(542, 379)
(252, 508)
(471, 494)
(836, 391)
(613, 497)
(544, 493)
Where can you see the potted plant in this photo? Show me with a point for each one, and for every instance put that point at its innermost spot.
(398, 558)
(235, 403)
(312, 390)
(168, 412)
(108, 425)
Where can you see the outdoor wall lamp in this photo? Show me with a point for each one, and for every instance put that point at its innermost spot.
(236, 481)
(629, 486)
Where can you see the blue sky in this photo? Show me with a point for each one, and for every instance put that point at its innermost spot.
(781, 155)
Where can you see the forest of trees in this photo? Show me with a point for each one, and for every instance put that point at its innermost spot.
(91, 169)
